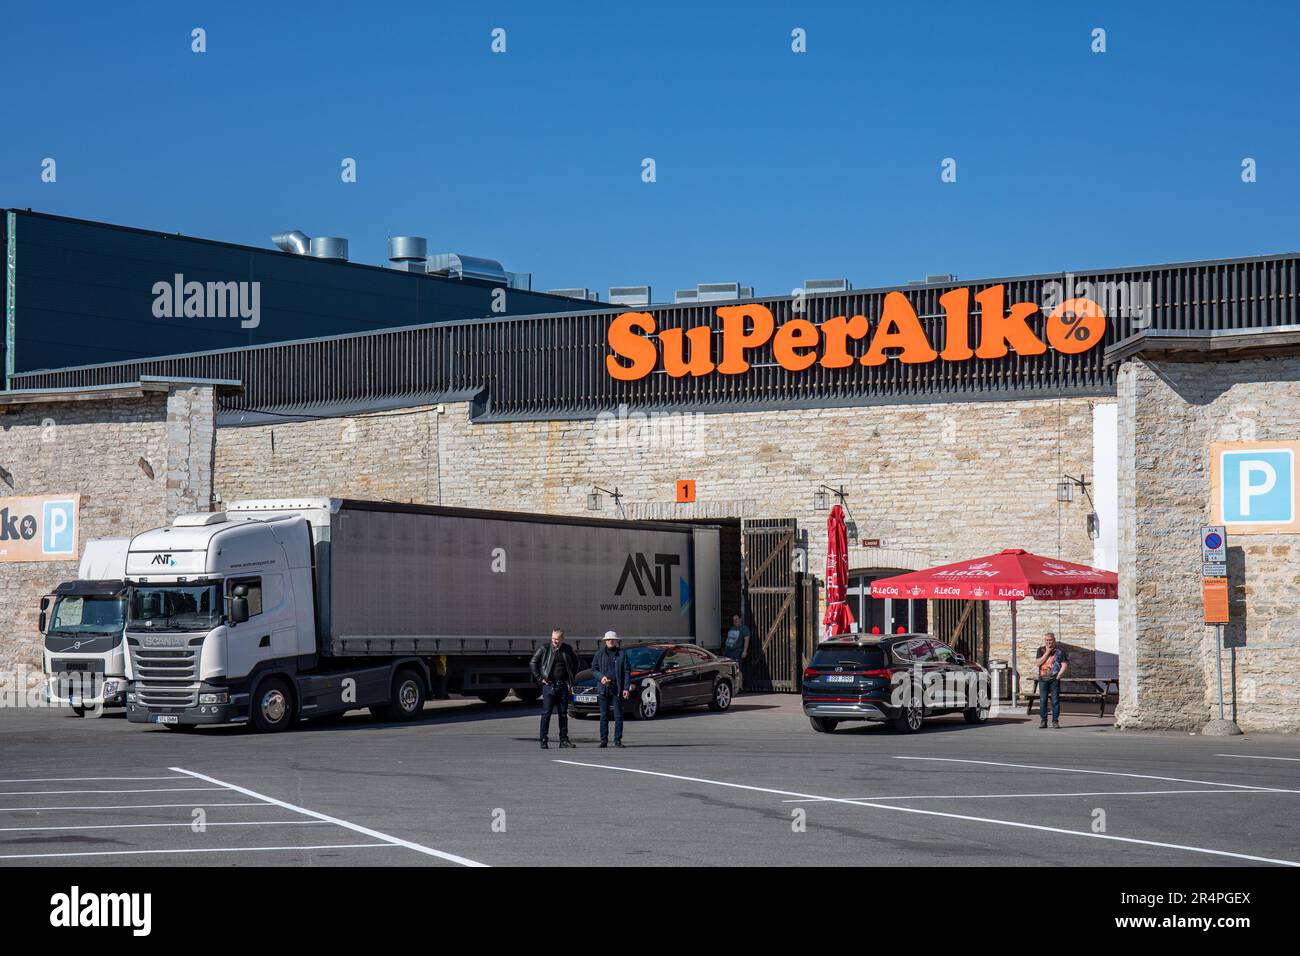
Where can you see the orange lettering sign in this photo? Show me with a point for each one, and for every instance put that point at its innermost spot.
(1074, 326)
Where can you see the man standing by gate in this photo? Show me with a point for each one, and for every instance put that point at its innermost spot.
(555, 666)
(610, 668)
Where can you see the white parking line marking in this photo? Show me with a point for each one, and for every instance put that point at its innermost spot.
(202, 849)
(81, 779)
(936, 813)
(1104, 773)
(48, 793)
(1002, 796)
(136, 806)
(396, 841)
(148, 826)
(1258, 757)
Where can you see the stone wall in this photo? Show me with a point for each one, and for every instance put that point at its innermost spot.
(937, 482)
(95, 448)
(1169, 415)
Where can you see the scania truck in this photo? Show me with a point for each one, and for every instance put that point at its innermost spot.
(82, 623)
(274, 611)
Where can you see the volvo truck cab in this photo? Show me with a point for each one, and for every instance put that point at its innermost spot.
(82, 622)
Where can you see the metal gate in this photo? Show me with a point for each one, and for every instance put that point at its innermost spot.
(772, 598)
(964, 625)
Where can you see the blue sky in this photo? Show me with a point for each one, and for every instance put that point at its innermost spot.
(772, 166)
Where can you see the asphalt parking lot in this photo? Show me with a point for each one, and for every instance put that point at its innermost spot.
(754, 786)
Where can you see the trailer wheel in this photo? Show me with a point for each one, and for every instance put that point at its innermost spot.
(492, 696)
(273, 708)
(407, 699)
(529, 695)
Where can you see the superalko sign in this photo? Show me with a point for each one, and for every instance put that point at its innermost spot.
(639, 347)
(39, 528)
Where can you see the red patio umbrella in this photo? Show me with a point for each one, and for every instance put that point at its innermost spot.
(838, 619)
(1012, 575)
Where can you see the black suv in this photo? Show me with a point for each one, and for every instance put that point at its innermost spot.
(901, 678)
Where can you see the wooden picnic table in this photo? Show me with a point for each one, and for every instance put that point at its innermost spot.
(1102, 688)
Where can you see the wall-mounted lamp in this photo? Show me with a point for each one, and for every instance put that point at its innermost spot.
(145, 468)
(595, 502)
(6, 476)
(1065, 493)
(822, 502)
(822, 497)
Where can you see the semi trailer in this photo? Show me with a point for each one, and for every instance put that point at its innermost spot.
(82, 624)
(278, 610)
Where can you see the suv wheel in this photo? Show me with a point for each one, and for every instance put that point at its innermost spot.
(910, 718)
(976, 715)
(823, 725)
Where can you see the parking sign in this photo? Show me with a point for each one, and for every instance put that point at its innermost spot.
(1254, 488)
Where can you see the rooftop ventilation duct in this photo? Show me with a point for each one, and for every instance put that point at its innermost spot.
(588, 294)
(295, 241)
(468, 267)
(714, 292)
(408, 253)
(330, 247)
(629, 295)
(817, 286)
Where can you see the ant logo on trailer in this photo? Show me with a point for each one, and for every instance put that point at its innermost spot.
(639, 347)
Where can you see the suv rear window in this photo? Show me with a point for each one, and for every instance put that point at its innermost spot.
(862, 658)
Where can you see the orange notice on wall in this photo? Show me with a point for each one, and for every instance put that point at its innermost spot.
(1214, 596)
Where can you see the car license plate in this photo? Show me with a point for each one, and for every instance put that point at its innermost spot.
(840, 679)
(585, 698)
(166, 719)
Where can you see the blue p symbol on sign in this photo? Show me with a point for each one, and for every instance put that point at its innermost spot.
(1258, 487)
(58, 527)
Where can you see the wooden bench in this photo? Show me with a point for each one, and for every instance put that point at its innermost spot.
(1098, 695)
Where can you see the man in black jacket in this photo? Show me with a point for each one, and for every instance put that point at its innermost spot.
(610, 668)
(555, 666)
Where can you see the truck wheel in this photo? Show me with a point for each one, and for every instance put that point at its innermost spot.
(721, 696)
(529, 695)
(492, 696)
(407, 701)
(272, 708)
(823, 725)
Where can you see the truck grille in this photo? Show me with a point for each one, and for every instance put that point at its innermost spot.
(166, 677)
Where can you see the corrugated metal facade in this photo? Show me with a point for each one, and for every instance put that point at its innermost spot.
(553, 366)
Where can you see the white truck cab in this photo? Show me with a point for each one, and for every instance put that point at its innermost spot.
(213, 601)
(82, 623)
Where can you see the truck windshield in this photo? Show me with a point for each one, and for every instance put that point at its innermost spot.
(88, 615)
(175, 607)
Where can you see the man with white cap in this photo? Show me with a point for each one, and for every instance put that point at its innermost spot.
(610, 668)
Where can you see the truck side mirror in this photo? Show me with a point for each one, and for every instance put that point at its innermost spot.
(238, 610)
(41, 625)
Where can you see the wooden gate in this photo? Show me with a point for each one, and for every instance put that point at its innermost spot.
(772, 595)
(964, 625)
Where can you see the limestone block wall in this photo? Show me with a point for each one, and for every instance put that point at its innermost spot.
(1170, 413)
(104, 450)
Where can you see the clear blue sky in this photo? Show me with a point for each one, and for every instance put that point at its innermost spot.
(772, 166)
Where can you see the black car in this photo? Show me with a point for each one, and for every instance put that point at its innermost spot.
(900, 678)
(664, 676)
